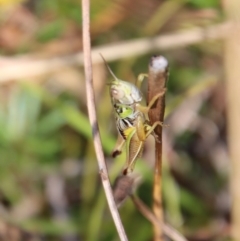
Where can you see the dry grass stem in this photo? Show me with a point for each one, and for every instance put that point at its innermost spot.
(146, 212)
(94, 123)
(27, 66)
(232, 60)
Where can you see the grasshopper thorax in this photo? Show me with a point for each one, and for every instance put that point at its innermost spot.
(123, 111)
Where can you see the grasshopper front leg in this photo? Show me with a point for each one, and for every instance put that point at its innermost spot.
(140, 79)
(145, 109)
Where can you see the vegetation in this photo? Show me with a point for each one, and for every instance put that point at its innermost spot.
(49, 179)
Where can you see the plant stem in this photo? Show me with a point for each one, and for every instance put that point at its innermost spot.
(26, 66)
(146, 212)
(94, 123)
(232, 71)
(157, 78)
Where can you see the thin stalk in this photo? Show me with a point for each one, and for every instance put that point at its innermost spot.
(146, 212)
(232, 73)
(157, 78)
(94, 123)
(26, 66)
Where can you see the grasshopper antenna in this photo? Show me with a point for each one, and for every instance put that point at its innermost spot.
(109, 69)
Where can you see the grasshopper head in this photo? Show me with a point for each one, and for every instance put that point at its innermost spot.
(122, 91)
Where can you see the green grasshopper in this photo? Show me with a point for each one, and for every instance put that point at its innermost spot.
(134, 129)
(131, 120)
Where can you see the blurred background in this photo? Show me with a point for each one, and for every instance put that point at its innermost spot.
(49, 182)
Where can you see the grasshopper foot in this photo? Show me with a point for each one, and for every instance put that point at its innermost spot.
(116, 153)
(127, 171)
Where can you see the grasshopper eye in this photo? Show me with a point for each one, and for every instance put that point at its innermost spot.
(117, 93)
(119, 110)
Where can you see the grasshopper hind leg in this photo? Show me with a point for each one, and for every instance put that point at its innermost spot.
(134, 151)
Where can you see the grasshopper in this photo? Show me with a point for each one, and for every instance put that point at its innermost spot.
(134, 129)
(131, 121)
